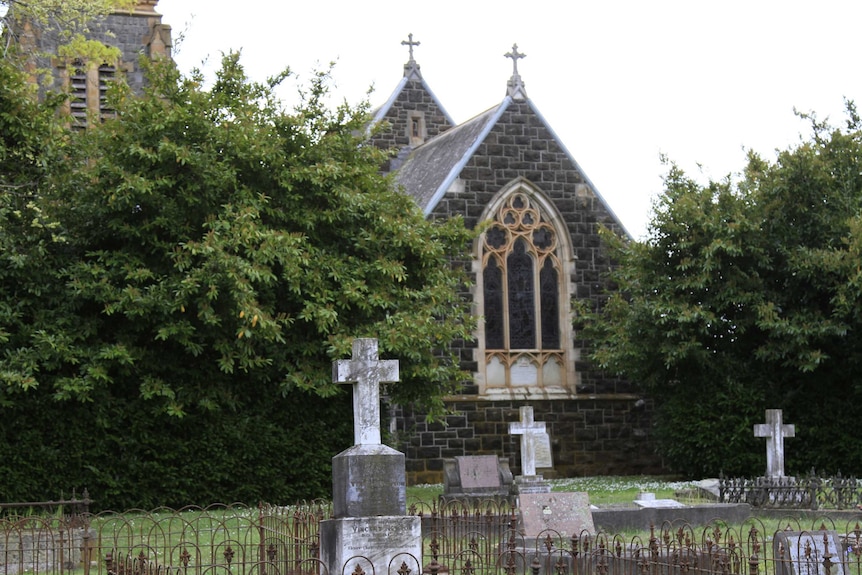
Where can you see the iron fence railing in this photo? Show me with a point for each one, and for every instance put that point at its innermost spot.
(811, 492)
(458, 539)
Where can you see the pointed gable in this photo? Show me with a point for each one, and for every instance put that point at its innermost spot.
(412, 114)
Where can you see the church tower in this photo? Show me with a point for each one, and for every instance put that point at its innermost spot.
(135, 33)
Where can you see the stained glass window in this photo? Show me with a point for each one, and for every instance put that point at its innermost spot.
(521, 288)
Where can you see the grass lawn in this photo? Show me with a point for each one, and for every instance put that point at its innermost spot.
(602, 490)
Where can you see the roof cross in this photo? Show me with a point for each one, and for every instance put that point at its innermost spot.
(515, 56)
(410, 43)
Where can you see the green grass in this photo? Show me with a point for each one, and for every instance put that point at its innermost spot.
(602, 490)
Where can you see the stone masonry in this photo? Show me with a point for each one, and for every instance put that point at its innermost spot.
(588, 437)
(603, 426)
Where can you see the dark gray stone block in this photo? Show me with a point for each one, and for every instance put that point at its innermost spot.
(367, 481)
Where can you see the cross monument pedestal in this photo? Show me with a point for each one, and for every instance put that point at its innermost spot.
(775, 431)
(531, 432)
(371, 529)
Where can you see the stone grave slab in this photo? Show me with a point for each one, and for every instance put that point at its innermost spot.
(659, 503)
(804, 552)
(478, 472)
(566, 513)
(476, 476)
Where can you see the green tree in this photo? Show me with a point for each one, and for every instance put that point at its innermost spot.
(745, 296)
(67, 20)
(208, 249)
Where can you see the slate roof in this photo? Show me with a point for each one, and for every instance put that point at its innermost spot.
(432, 167)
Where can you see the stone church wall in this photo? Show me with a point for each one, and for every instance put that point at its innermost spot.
(589, 437)
(603, 428)
(414, 98)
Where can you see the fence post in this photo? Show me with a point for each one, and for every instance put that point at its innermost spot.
(827, 556)
(754, 560)
(813, 489)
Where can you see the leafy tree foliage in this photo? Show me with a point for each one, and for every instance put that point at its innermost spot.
(67, 20)
(746, 296)
(206, 254)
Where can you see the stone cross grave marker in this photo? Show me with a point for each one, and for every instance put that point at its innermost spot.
(369, 528)
(366, 372)
(528, 430)
(775, 431)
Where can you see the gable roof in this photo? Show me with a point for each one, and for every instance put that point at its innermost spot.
(431, 169)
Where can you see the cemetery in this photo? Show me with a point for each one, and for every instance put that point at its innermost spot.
(485, 521)
(527, 323)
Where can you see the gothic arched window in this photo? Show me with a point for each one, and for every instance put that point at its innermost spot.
(522, 291)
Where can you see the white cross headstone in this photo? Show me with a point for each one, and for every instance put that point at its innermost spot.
(527, 428)
(775, 431)
(366, 372)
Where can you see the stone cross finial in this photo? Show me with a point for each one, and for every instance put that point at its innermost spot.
(515, 56)
(410, 43)
(366, 372)
(775, 431)
(527, 428)
(515, 86)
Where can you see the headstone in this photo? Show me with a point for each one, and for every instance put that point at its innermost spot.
(567, 513)
(476, 476)
(807, 552)
(368, 479)
(370, 526)
(530, 432)
(775, 431)
(542, 449)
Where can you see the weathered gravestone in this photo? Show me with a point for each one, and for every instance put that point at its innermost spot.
(807, 553)
(775, 431)
(370, 529)
(535, 452)
(477, 477)
(563, 513)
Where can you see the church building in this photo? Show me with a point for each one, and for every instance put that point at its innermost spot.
(540, 252)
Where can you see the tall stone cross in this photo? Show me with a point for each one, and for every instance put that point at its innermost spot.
(527, 429)
(775, 431)
(366, 372)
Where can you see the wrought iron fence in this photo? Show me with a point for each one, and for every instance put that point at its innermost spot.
(811, 492)
(458, 539)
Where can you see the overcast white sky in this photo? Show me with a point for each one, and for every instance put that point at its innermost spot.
(619, 82)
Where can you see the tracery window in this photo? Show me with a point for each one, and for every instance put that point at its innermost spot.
(521, 294)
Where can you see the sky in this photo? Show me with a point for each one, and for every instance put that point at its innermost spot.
(621, 83)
